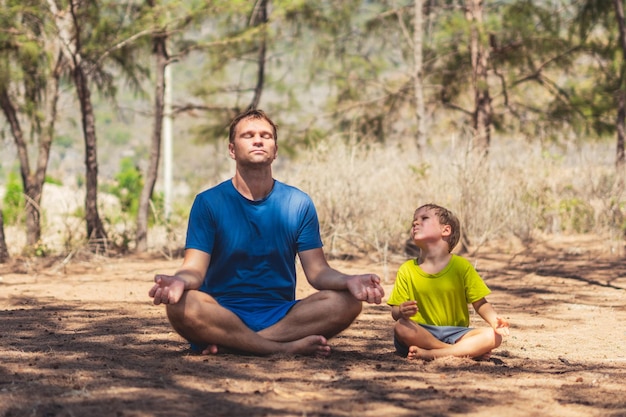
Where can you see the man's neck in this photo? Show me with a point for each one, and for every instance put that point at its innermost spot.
(253, 185)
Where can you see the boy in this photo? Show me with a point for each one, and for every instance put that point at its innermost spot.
(431, 293)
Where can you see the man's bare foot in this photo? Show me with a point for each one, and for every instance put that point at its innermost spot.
(210, 350)
(311, 345)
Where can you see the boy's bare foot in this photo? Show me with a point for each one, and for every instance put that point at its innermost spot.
(419, 353)
(483, 357)
(428, 355)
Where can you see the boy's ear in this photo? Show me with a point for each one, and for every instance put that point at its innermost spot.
(446, 230)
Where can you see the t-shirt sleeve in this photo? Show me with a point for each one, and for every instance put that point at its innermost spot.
(201, 226)
(400, 292)
(475, 287)
(309, 231)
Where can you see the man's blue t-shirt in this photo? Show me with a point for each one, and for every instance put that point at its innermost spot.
(253, 244)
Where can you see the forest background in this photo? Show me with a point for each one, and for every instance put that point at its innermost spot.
(114, 115)
(510, 113)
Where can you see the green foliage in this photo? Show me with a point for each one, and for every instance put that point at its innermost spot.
(64, 141)
(127, 188)
(80, 180)
(120, 136)
(50, 180)
(39, 250)
(13, 201)
(576, 215)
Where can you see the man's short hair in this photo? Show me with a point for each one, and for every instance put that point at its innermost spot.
(251, 114)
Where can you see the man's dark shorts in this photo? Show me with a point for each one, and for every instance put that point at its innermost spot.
(257, 314)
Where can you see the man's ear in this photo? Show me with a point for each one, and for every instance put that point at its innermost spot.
(231, 150)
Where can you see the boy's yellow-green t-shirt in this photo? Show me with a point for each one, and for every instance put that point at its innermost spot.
(442, 298)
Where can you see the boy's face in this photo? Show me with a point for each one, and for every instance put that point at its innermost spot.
(426, 226)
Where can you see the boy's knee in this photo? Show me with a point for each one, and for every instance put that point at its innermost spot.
(402, 330)
(497, 341)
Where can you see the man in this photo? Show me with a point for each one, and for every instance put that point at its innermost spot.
(236, 287)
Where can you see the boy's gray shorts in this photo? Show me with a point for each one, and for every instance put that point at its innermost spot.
(447, 334)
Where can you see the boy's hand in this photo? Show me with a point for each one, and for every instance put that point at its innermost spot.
(502, 326)
(408, 309)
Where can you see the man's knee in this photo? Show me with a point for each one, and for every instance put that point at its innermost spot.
(183, 315)
(177, 318)
(351, 305)
(339, 306)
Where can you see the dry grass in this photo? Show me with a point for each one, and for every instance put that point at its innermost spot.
(366, 193)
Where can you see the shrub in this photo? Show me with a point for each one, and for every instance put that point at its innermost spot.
(13, 201)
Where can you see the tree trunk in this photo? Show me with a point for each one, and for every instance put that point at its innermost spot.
(143, 213)
(95, 229)
(33, 182)
(31, 190)
(483, 112)
(4, 251)
(620, 161)
(418, 36)
(621, 132)
(65, 22)
(259, 17)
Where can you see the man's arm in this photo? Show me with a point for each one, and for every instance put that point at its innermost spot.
(364, 287)
(169, 288)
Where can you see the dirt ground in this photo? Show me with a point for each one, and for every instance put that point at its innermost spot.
(82, 338)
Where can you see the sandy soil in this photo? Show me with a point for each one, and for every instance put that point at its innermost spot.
(83, 339)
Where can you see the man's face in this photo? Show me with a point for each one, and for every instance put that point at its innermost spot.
(254, 143)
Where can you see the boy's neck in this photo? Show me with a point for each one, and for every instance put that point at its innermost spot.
(433, 260)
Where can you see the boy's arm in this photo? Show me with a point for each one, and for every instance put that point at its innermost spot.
(405, 310)
(488, 313)
(395, 313)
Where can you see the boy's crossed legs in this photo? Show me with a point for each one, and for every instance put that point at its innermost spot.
(430, 342)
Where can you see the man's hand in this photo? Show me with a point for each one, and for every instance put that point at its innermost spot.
(167, 289)
(366, 288)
